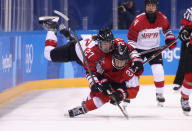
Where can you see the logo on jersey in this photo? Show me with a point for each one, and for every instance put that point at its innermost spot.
(150, 35)
(136, 21)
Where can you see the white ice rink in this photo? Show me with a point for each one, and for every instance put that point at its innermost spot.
(46, 110)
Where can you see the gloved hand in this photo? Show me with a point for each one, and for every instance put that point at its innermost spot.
(96, 89)
(118, 95)
(106, 89)
(169, 40)
(64, 31)
(137, 66)
(184, 34)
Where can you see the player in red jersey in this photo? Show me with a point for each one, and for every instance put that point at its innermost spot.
(144, 34)
(94, 49)
(185, 35)
(116, 74)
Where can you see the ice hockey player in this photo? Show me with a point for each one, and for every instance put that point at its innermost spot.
(144, 34)
(185, 36)
(118, 74)
(94, 49)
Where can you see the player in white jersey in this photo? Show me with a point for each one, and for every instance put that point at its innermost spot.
(144, 34)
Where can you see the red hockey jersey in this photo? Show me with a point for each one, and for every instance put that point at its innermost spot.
(126, 75)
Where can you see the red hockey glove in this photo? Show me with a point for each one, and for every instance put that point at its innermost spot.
(170, 39)
(118, 95)
(106, 87)
(96, 89)
(137, 66)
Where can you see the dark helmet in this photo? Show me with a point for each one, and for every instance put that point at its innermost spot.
(151, 16)
(121, 54)
(151, 2)
(105, 35)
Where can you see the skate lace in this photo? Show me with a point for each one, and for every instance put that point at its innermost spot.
(78, 110)
(185, 103)
(160, 96)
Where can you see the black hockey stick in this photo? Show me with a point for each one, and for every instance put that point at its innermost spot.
(76, 38)
(88, 67)
(151, 50)
(160, 51)
(123, 111)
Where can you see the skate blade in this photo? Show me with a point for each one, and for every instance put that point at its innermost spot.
(186, 113)
(160, 104)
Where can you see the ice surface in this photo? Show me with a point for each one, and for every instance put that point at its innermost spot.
(46, 110)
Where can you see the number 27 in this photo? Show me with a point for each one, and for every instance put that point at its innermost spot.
(88, 53)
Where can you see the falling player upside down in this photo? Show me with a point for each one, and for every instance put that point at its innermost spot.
(118, 74)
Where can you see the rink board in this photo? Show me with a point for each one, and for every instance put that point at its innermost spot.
(12, 93)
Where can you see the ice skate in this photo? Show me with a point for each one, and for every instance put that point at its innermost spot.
(77, 110)
(185, 106)
(160, 99)
(49, 23)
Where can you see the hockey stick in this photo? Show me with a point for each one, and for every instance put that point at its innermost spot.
(88, 67)
(151, 50)
(160, 51)
(123, 111)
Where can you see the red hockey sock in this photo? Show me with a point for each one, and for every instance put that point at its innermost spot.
(159, 84)
(90, 105)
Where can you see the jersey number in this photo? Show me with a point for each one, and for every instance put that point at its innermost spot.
(129, 73)
(88, 53)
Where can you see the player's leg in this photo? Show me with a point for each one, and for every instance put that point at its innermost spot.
(186, 88)
(158, 74)
(91, 103)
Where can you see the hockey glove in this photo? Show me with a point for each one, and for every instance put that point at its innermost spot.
(106, 88)
(118, 96)
(64, 31)
(184, 34)
(96, 89)
(137, 66)
(170, 39)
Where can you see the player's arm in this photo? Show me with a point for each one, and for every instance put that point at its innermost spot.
(132, 87)
(133, 32)
(137, 61)
(185, 33)
(92, 58)
(169, 36)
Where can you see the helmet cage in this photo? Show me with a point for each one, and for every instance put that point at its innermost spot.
(106, 50)
(120, 57)
(105, 36)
